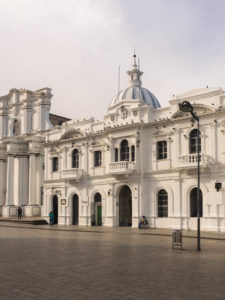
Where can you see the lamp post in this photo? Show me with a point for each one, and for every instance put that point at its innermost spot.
(186, 106)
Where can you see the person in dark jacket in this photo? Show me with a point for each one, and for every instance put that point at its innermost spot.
(19, 211)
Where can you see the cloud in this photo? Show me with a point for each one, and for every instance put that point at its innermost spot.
(75, 48)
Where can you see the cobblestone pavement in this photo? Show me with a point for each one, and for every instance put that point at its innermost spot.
(50, 264)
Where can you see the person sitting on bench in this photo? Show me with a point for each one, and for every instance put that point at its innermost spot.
(143, 223)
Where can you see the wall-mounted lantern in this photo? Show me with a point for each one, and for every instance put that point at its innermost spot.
(218, 186)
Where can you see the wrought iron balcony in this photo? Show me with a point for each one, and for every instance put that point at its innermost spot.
(191, 160)
(122, 167)
(73, 173)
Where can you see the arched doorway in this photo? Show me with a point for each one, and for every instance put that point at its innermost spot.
(125, 206)
(98, 209)
(193, 203)
(75, 205)
(55, 209)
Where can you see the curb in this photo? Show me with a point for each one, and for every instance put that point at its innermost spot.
(112, 232)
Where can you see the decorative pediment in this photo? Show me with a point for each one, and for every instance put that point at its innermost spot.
(70, 134)
(161, 131)
(199, 109)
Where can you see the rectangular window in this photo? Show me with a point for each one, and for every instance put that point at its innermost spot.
(42, 194)
(161, 150)
(55, 164)
(116, 154)
(97, 158)
(132, 153)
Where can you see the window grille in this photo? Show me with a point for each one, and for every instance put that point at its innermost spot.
(162, 204)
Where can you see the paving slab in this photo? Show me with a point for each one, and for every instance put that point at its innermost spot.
(107, 264)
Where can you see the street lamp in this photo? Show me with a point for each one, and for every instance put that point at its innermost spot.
(186, 106)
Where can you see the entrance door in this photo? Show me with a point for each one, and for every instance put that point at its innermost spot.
(75, 209)
(193, 203)
(98, 209)
(99, 215)
(55, 209)
(125, 207)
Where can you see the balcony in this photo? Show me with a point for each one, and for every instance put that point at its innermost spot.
(122, 167)
(191, 160)
(72, 174)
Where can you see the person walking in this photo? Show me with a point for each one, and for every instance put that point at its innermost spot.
(19, 211)
(51, 218)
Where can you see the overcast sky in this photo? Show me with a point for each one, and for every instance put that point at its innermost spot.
(76, 46)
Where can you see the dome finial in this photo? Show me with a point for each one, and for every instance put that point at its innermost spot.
(134, 56)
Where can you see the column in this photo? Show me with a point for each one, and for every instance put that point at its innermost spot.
(23, 180)
(64, 155)
(2, 181)
(214, 143)
(32, 179)
(10, 181)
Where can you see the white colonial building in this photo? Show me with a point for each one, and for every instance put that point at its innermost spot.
(141, 159)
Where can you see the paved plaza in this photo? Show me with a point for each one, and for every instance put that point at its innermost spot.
(51, 264)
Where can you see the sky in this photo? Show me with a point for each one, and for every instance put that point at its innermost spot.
(75, 47)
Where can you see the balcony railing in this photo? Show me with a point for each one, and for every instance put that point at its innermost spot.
(191, 160)
(72, 173)
(122, 167)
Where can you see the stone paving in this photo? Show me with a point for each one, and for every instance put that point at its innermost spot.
(25, 223)
(53, 264)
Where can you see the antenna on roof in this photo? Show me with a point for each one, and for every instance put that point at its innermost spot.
(118, 81)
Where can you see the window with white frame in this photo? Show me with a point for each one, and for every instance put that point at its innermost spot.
(124, 150)
(162, 150)
(162, 204)
(55, 164)
(194, 142)
(97, 158)
(75, 158)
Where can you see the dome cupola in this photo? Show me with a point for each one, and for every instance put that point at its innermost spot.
(135, 91)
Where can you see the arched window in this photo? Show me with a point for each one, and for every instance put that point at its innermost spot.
(16, 127)
(124, 150)
(193, 141)
(116, 154)
(193, 203)
(132, 153)
(75, 159)
(162, 204)
(98, 197)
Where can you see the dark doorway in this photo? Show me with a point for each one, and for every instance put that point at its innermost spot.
(75, 209)
(193, 202)
(55, 209)
(125, 207)
(98, 209)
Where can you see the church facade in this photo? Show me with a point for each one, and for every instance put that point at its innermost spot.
(141, 159)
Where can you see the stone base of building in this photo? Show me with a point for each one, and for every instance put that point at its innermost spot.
(9, 211)
(31, 211)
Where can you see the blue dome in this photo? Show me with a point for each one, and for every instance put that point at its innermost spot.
(136, 92)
